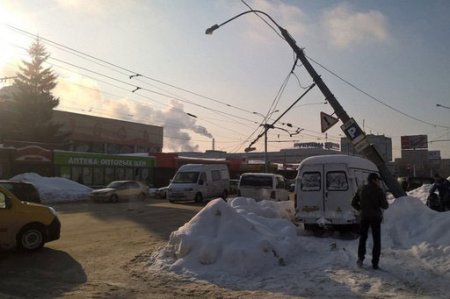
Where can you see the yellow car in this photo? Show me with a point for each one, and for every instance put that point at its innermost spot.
(24, 225)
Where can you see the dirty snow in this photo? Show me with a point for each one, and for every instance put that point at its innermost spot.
(249, 245)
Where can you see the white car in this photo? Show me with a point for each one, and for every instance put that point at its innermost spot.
(263, 186)
(120, 190)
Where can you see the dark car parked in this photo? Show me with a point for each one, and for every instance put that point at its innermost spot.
(24, 191)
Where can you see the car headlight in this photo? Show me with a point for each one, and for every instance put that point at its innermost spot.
(52, 210)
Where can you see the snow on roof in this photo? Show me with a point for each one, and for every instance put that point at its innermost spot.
(353, 161)
(55, 189)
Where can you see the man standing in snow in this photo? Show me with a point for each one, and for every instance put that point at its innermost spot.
(443, 188)
(370, 200)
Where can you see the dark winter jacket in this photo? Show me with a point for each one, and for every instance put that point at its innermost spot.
(370, 200)
(442, 186)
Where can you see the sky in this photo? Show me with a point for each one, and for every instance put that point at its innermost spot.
(242, 244)
(151, 62)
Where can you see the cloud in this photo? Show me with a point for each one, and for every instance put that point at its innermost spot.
(82, 95)
(346, 27)
(95, 7)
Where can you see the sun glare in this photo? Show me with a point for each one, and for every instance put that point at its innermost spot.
(9, 52)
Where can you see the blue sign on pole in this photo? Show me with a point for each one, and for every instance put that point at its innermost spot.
(353, 131)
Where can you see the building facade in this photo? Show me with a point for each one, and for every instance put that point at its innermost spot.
(382, 143)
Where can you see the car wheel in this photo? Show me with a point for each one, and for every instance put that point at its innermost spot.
(198, 197)
(114, 198)
(141, 196)
(30, 238)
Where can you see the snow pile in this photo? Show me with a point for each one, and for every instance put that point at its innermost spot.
(55, 189)
(421, 193)
(237, 242)
(409, 222)
(249, 245)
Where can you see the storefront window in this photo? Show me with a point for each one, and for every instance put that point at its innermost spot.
(109, 175)
(120, 173)
(87, 176)
(129, 174)
(77, 174)
(65, 172)
(98, 176)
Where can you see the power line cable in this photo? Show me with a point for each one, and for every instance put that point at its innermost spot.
(373, 97)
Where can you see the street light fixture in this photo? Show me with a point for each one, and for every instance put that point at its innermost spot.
(350, 127)
(439, 105)
(266, 128)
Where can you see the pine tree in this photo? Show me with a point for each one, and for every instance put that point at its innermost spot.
(33, 102)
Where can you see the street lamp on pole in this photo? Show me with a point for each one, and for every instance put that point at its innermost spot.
(266, 129)
(439, 105)
(350, 127)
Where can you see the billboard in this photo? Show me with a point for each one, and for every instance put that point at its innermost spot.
(414, 142)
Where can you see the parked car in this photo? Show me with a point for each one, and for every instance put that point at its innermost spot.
(411, 183)
(263, 186)
(121, 190)
(234, 186)
(161, 192)
(22, 190)
(26, 226)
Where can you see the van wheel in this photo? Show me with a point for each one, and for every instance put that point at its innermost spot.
(30, 238)
(225, 195)
(114, 198)
(198, 197)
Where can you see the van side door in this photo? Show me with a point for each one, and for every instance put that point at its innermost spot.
(8, 222)
(338, 193)
(310, 191)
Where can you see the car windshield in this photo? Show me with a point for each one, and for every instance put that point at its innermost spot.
(115, 185)
(256, 181)
(186, 177)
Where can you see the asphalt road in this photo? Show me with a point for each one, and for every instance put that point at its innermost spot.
(92, 257)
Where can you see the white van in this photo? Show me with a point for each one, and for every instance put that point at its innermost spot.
(198, 182)
(325, 186)
(262, 186)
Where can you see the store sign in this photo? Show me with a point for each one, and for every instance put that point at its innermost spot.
(106, 162)
(63, 158)
(33, 153)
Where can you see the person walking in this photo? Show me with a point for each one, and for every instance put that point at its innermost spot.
(370, 200)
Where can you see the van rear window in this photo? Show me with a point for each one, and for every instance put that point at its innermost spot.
(337, 181)
(256, 181)
(311, 181)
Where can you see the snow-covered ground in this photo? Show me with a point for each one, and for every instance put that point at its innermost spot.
(248, 245)
(251, 245)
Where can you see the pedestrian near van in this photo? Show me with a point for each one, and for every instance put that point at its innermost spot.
(370, 201)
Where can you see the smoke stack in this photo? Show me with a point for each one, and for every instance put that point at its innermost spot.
(213, 144)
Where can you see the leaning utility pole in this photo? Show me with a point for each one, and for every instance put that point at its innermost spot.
(350, 127)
